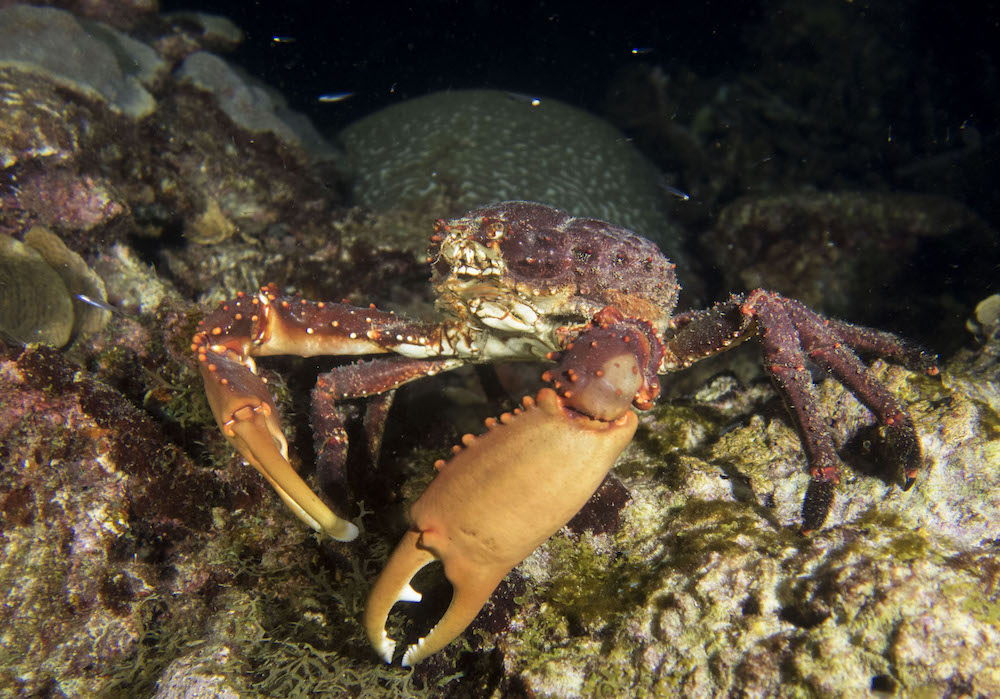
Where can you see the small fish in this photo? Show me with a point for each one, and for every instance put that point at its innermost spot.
(283, 39)
(683, 196)
(97, 303)
(335, 97)
(527, 99)
(642, 50)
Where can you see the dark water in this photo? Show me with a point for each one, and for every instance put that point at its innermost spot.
(386, 52)
(894, 97)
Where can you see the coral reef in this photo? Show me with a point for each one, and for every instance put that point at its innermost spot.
(96, 174)
(35, 306)
(138, 557)
(481, 146)
(251, 104)
(50, 294)
(118, 69)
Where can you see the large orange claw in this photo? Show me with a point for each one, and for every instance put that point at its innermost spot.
(493, 504)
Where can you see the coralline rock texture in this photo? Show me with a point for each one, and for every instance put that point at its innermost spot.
(85, 519)
(184, 33)
(482, 146)
(85, 56)
(251, 104)
(976, 372)
(121, 14)
(216, 156)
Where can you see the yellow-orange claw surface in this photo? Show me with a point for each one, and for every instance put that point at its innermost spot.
(493, 504)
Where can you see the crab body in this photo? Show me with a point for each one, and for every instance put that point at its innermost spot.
(520, 281)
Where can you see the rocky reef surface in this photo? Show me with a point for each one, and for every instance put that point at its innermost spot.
(139, 557)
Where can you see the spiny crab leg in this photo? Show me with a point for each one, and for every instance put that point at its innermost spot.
(790, 337)
(509, 490)
(268, 324)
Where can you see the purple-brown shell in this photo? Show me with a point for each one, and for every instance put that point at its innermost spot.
(551, 251)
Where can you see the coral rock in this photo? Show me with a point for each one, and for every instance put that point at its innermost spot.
(117, 68)
(34, 306)
(482, 146)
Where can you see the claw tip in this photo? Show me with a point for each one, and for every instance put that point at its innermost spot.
(408, 594)
(386, 648)
(413, 654)
(350, 532)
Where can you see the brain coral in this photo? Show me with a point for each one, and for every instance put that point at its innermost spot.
(476, 147)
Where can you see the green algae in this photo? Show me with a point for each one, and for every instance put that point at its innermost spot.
(589, 586)
(908, 546)
(676, 429)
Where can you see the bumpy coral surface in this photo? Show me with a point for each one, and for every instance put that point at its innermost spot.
(482, 146)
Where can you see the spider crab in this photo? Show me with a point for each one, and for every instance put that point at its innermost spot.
(520, 281)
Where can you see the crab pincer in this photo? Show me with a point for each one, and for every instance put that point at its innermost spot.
(506, 492)
(491, 505)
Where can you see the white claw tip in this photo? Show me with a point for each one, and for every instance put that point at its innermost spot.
(386, 648)
(408, 594)
(413, 654)
(350, 532)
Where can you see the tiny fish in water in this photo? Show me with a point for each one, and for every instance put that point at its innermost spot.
(283, 39)
(527, 99)
(683, 196)
(96, 303)
(667, 187)
(335, 96)
(642, 50)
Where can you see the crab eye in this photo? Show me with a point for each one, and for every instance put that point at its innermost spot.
(494, 230)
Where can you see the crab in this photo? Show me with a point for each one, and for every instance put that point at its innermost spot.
(520, 281)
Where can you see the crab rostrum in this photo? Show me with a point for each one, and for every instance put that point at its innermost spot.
(519, 281)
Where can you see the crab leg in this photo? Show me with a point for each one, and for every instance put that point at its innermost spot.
(268, 324)
(374, 380)
(790, 336)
